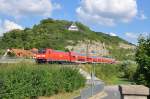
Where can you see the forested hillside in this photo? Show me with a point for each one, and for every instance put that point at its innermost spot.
(54, 34)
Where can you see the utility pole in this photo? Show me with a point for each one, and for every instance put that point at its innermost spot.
(92, 68)
(87, 50)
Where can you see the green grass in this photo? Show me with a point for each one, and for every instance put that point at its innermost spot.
(119, 80)
(27, 80)
(70, 95)
(109, 73)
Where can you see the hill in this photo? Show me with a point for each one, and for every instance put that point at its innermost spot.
(50, 33)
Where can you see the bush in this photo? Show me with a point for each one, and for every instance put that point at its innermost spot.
(107, 72)
(142, 75)
(2, 52)
(18, 82)
(128, 70)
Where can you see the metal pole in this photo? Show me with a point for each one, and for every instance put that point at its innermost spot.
(87, 55)
(92, 80)
(87, 51)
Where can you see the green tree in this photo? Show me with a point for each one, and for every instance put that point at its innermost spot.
(143, 60)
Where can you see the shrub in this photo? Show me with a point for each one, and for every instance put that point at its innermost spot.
(107, 72)
(128, 70)
(18, 82)
(142, 75)
(2, 52)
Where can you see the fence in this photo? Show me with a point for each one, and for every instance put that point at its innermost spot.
(91, 90)
(14, 60)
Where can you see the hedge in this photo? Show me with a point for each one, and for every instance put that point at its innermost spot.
(19, 82)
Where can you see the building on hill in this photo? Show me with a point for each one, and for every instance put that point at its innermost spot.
(73, 27)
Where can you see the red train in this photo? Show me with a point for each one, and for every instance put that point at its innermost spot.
(54, 56)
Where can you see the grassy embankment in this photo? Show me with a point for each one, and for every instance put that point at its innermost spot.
(18, 81)
(113, 74)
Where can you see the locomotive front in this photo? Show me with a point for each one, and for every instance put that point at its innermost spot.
(41, 56)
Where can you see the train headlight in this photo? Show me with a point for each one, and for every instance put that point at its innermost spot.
(39, 56)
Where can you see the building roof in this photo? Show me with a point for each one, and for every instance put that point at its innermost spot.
(73, 27)
(134, 90)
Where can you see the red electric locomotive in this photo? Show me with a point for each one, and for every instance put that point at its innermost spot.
(54, 56)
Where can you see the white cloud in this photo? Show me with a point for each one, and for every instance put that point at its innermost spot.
(112, 34)
(131, 35)
(22, 8)
(107, 12)
(8, 25)
(1, 30)
(142, 16)
(56, 6)
(145, 34)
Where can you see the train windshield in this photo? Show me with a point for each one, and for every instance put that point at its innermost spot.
(42, 51)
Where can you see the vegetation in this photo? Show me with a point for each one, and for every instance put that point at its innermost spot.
(23, 80)
(70, 95)
(2, 51)
(127, 70)
(107, 73)
(111, 40)
(114, 73)
(143, 60)
(51, 33)
(122, 54)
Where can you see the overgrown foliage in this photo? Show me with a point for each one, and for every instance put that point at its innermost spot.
(21, 81)
(122, 73)
(107, 72)
(2, 52)
(127, 70)
(143, 59)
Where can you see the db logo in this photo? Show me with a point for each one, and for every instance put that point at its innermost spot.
(60, 55)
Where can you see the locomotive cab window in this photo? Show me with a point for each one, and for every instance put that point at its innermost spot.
(42, 51)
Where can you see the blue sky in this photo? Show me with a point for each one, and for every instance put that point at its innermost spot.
(124, 18)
